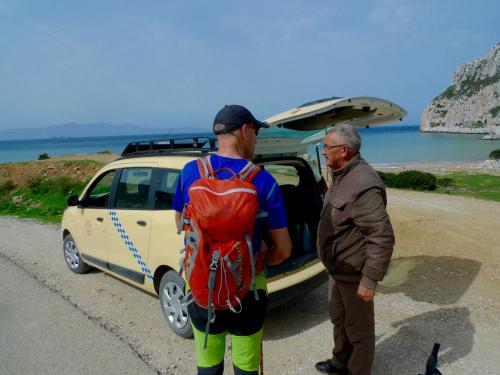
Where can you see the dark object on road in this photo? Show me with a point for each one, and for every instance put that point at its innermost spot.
(431, 365)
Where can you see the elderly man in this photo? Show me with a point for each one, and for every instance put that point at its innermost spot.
(355, 242)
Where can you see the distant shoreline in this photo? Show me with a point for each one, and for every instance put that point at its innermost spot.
(436, 167)
(147, 136)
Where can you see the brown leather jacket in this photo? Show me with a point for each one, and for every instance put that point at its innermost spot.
(355, 236)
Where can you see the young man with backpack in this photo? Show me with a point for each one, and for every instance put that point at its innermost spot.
(224, 203)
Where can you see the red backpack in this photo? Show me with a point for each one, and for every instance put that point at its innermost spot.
(219, 261)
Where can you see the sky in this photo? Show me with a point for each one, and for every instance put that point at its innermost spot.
(162, 64)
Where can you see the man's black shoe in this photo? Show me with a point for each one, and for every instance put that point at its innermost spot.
(326, 367)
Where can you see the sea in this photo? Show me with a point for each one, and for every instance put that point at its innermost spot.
(387, 144)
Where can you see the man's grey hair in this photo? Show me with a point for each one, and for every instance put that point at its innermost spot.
(348, 135)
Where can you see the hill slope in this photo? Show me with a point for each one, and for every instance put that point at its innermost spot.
(472, 103)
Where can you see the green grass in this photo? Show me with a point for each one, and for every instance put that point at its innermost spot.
(41, 199)
(470, 184)
(482, 186)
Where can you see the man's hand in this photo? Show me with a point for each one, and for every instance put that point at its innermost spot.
(269, 255)
(281, 249)
(366, 294)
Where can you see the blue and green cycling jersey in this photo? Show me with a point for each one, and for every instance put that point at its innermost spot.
(268, 192)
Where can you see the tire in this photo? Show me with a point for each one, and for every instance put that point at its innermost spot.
(72, 256)
(171, 294)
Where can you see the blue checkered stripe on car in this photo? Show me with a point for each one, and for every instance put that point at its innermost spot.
(130, 244)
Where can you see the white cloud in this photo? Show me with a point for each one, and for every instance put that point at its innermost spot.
(397, 16)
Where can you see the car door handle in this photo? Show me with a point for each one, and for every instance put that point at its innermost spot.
(142, 223)
(100, 219)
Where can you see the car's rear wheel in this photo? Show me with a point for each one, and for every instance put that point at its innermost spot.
(72, 256)
(172, 295)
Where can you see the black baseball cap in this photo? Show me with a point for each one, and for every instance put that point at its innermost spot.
(233, 117)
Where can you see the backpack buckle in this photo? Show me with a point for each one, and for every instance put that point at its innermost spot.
(214, 264)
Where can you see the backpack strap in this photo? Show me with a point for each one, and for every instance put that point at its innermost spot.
(248, 172)
(184, 220)
(211, 283)
(205, 167)
(206, 170)
(252, 261)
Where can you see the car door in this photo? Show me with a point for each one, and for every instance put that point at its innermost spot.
(165, 242)
(293, 130)
(129, 224)
(93, 211)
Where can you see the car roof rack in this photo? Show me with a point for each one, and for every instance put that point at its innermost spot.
(169, 146)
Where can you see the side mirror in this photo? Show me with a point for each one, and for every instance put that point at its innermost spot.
(73, 200)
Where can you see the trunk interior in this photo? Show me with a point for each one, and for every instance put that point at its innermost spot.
(303, 197)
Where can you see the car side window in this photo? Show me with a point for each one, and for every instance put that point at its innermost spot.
(98, 195)
(284, 174)
(165, 189)
(133, 188)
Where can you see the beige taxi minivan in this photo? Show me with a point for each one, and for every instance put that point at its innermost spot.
(123, 222)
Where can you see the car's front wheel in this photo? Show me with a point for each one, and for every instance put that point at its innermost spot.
(172, 295)
(72, 256)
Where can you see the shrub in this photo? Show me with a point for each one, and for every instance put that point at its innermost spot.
(445, 183)
(66, 185)
(62, 185)
(495, 155)
(495, 111)
(34, 184)
(43, 156)
(477, 124)
(7, 186)
(472, 86)
(104, 152)
(415, 180)
(448, 93)
(388, 178)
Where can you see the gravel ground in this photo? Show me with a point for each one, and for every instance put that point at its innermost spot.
(443, 286)
(51, 336)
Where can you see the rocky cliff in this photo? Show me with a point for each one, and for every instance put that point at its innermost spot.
(472, 103)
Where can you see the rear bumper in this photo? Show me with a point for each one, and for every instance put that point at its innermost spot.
(283, 295)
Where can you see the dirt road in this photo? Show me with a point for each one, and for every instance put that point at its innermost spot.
(444, 286)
